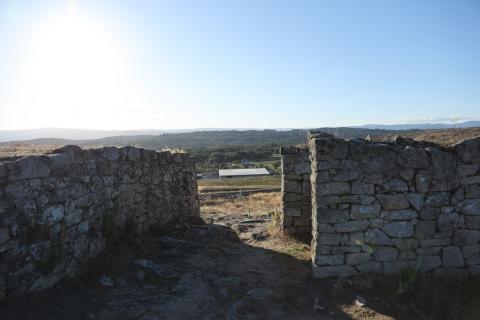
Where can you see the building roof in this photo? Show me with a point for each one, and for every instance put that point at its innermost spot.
(243, 172)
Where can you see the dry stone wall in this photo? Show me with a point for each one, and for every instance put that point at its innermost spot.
(60, 209)
(384, 207)
(296, 218)
(387, 207)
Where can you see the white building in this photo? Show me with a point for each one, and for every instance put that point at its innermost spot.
(239, 173)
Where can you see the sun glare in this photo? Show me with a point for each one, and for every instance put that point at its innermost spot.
(75, 63)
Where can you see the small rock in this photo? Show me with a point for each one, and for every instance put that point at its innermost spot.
(140, 275)
(151, 266)
(106, 281)
(178, 227)
(259, 293)
(317, 306)
(90, 316)
(360, 301)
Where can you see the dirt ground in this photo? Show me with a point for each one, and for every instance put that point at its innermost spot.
(233, 265)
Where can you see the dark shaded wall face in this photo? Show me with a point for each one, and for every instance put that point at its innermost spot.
(387, 207)
(60, 209)
(296, 217)
(384, 207)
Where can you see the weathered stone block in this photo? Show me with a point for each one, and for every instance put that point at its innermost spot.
(329, 239)
(376, 223)
(469, 207)
(329, 200)
(365, 212)
(467, 169)
(452, 257)
(405, 244)
(432, 251)
(393, 202)
(472, 191)
(321, 249)
(474, 259)
(413, 158)
(377, 237)
(466, 237)
(422, 183)
(416, 200)
(323, 227)
(407, 256)
(427, 263)
(333, 271)
(370, 267)
(352, 226)
(53, 215)
(427, 243)
(292, 186)
(302, 222)
(401, 229)
(394, 185)
(332, 216)
(385, 254)
(4, 235)
(359, 187)
(472, 222)
(356, 239)
(448, 221)
(357, 258)
(424, 229)
(470, 250)
(333, 188)
(406, 214)
(331, 260)
(429, 213)
(292, 212)
(437, 200)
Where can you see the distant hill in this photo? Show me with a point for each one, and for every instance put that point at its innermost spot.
(422, 126)
(72, 134)
(206, 139)
(122, 135)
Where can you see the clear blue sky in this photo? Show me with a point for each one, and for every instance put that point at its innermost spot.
(250, 63)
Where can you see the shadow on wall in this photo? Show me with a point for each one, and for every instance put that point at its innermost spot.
(206, 272)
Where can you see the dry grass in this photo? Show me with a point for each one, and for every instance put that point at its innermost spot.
(251, 182)
(12, 150)
(444, 137)
(254, 204)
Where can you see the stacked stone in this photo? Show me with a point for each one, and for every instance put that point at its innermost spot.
(296, 218)
(60, 209)
(387, 207)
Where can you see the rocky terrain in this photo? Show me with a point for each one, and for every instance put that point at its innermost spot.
(230, 266)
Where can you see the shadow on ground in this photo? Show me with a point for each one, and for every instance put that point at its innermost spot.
(207, 272)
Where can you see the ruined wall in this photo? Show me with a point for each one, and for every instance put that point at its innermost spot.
(296, 218)
(386, 207)
(60, 209)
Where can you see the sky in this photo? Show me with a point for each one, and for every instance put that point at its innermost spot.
(116, 64)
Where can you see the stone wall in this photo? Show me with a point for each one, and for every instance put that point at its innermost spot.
(296, 218)
(60, 209)
(386, 207)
